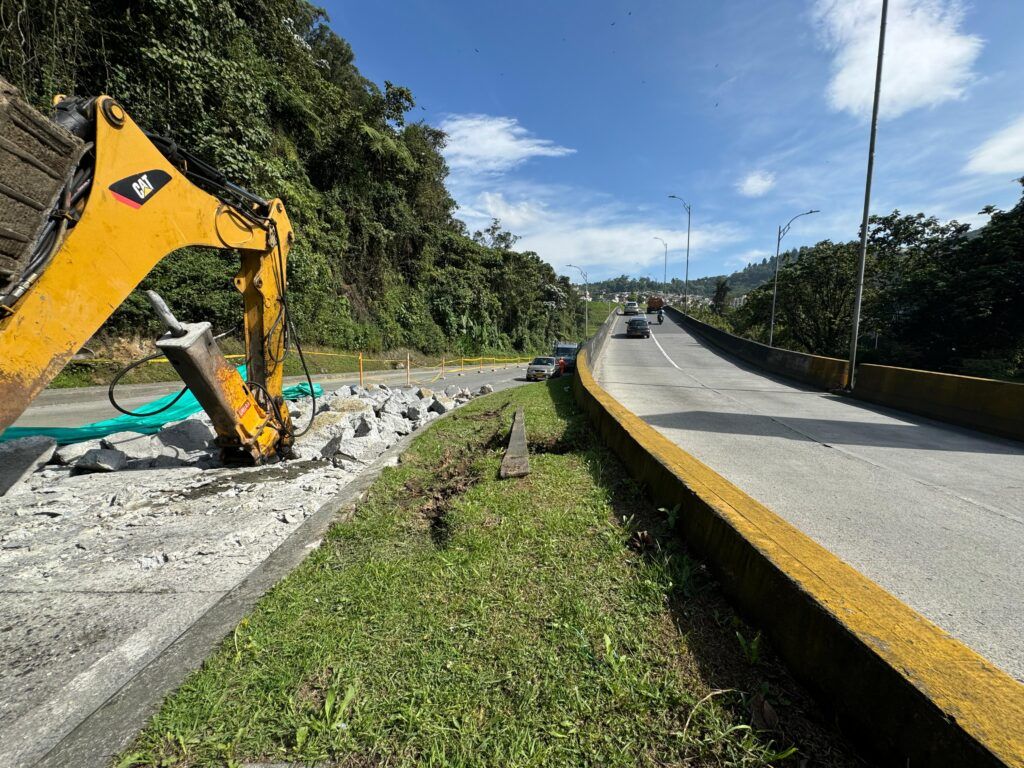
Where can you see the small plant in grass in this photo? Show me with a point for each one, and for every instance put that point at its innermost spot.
(322, 727)
(751, 648)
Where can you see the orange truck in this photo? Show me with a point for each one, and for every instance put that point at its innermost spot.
(654, 303)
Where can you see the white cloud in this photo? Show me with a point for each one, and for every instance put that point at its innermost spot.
(485, 144)
(928, 59)
(756, 183)
(1003, 152)
(563, 225)
(741, 260)
(603, 238)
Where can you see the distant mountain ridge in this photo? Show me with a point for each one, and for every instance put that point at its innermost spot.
(740, 282)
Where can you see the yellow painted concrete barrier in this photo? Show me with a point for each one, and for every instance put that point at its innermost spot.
(985, 404)
(904, 689)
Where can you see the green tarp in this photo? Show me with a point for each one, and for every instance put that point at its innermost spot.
(144, 424)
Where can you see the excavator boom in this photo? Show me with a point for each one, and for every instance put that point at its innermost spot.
(140, 206)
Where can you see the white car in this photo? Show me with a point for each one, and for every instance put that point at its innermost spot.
(542, 368)
(632, 308)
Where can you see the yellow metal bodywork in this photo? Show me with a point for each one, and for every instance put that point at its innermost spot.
(114, 246)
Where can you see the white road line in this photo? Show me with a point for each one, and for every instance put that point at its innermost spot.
(655, 338)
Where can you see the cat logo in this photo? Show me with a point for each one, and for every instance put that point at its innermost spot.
(135, 190)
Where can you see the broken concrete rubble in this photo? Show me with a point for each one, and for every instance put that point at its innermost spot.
(118, 562)
(186, 437)
(135, 446)
(69, 454)
(101, 460)
(353, 425)
(21, 458)
(441, 405)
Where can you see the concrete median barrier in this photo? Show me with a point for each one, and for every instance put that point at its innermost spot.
(817, 370)
(903, 688)
(996, 407)
(988, 405)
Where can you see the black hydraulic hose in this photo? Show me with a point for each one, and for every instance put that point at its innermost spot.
(123, 372)
(305, 370)
(131, 366)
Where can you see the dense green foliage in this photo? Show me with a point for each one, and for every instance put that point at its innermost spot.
(937, 296)
(270, 94)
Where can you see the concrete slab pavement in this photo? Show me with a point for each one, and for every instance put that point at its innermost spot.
(933, 513)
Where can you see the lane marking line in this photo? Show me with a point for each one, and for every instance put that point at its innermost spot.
(673, 362)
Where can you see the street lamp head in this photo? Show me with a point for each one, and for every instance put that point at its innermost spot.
(686, 205)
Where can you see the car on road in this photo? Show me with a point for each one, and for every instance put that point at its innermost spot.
(639, 328)
(542, 368)
(632, 308)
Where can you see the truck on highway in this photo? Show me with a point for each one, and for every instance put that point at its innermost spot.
(654, 303)
(566, 351)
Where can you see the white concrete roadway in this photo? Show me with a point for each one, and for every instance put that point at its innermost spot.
(931, 512)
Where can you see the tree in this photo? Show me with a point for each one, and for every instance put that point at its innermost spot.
(721, 295)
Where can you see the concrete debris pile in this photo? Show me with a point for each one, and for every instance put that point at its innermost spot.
(115, 546)
(353, 426)
(166, 502)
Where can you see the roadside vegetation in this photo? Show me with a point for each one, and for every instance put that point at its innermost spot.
(937, 295)
(597, 313)
(462, 620)
(271, 95)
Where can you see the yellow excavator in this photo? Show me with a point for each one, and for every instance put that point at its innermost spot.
(89, 203)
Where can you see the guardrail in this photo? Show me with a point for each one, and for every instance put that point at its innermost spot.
(906, 690)
(988, 405)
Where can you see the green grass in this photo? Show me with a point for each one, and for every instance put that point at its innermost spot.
(597, 312)
(462, 620)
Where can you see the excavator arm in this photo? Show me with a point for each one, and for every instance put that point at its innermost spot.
(144, 202)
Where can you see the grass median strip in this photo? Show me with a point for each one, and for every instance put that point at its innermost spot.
(459, 619)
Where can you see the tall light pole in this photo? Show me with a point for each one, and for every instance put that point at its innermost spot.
(855, 332)
(686, 279)
(586, 304)
(775, 286)
(664, 281)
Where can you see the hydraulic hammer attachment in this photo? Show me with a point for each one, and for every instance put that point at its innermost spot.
(250, 429)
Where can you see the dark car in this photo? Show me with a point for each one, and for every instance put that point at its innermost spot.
(639, 328)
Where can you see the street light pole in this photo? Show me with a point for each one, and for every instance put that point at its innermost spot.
(850, 375)
(586, 304)
(775, 285)
(686, 279)
(664, 281)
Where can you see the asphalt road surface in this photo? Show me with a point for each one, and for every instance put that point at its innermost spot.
(73, 407)
(933, 513)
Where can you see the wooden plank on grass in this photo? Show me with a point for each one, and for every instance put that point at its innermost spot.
(516, 462)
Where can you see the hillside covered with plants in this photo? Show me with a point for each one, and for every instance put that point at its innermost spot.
(271, 95)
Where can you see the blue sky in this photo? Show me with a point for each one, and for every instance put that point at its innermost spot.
(573, 121)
